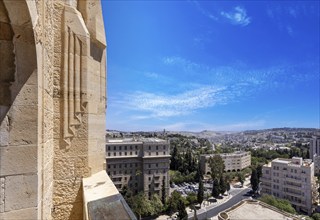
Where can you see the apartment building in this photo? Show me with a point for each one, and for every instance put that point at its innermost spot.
(140, 164)
(232, 161)
(291, 179)
(314, 151)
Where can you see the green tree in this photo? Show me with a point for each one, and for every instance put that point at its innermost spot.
(182, 213)
(215, 188)
(174, 158)
(240, 177)
(199, 173)
(200, 195)
(316, 216)
(216, 166)
(254, 180)
(228, 186)
(191, 198)
(141, 206)
(163, 192)
(173, 202)
(223, 185)
(259, 171)
(156, 204)
(281, 204)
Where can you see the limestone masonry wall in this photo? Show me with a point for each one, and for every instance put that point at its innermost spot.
(52, 105)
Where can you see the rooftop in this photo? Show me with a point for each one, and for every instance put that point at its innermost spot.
(251, 209)
(139, 140)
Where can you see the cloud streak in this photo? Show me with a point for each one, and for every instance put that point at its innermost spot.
(175, 105)
(238, 16)
(223, 85)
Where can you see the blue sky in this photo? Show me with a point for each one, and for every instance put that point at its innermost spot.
(212, 65)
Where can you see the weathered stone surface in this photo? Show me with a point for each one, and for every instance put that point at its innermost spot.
(20, 192)
(30, 213)
(2, 187)
(26, 155)
(22, 125)
(52, 105)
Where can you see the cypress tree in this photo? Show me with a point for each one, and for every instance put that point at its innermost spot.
(215, 188)
(200, 195)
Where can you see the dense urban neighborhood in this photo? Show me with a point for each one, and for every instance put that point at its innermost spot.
(189, 175)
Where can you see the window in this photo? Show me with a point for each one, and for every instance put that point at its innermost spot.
(114, 172)
(125, 153)
(114, 153)
(157, 153)
(109, 173)
(108, 147)
(114, 148)
(164, 147)
(120, 147)
(130, 147)
(156, 147)
(149, 165)
(109, 154)
(149, 154)
(130, 164)
(108, 166)
(149, 178)
(164, 153)
(119, 165)
(156, 165)
(130, 152)
(120, 153)
(136, 152)
(125, 147)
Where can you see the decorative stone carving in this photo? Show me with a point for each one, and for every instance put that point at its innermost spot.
(75, 44)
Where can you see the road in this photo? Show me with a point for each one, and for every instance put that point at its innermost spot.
(209, 212)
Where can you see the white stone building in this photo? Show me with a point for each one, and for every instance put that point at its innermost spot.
(291, 179)
(314, 152)
(233, 161)
(141, 164)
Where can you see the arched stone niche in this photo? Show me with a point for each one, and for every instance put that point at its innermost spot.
(19, 191)
(18, 53)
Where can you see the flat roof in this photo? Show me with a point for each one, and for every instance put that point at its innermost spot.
(135, 140)
(252, 210)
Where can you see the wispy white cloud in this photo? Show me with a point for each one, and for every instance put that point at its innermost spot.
(289, 30)
(174, 105)
(219, 86)
(200, 126)
(152, 75)
(204, 11)
(238, 16)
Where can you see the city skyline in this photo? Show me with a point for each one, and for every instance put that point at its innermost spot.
(198, 65)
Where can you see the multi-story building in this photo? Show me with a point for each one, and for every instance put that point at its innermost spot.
(232, 161)
(140, 164)
(291, 179)
(314, 152)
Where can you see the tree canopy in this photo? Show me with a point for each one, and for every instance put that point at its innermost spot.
(216, 164)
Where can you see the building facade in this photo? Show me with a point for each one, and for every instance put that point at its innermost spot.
(52, 110)
(291, 179)
(314, 152)
(141, 165)
(232, 161)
